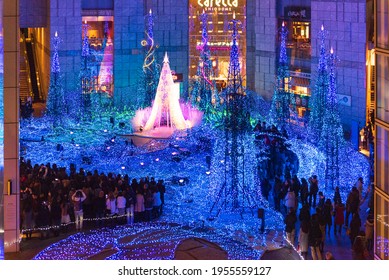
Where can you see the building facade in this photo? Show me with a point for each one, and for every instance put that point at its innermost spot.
(176, 31)
(381, 199)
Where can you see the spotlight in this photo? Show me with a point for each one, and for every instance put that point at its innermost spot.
(71, 132)
(157, 159)
(181, 181)
(208, 172)
(108, 148)
(123, 167)
(105, 130)
(142, 163)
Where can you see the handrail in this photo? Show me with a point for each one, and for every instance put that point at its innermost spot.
(37, 68)
(24, 51)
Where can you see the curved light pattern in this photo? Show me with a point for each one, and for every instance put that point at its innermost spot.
(154, 241)
(352, 165)
(149, 58)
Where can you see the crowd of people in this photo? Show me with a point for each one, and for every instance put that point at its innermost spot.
(53, 199)
(308, 228)
(309, 215)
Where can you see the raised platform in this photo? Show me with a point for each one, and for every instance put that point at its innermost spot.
(142, 138)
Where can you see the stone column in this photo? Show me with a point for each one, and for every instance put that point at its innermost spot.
(11, 126)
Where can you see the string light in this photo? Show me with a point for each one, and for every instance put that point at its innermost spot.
(148, 79)
(55, 99)
(318, 101)
(203, 91)
(283, 101)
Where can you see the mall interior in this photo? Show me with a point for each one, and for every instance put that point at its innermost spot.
(357, 31)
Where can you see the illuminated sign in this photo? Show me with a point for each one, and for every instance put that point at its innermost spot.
(217, 3)
(297, 12)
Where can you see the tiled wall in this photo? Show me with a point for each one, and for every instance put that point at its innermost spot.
(65, 18)
(33, 13)
(265, 26)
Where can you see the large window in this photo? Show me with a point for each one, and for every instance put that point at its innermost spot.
(382, 228)
(382, 159)
(219, 35)
(100, 37)
(382, 24)
(382, 87)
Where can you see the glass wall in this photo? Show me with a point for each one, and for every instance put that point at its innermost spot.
(382, 159)
(100, 38)
(382, 87)
(382, 24)
(1, 134)
(219, 36)
(296, 16)
(382, 228)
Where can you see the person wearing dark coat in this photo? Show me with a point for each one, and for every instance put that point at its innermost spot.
(99, 205)
(337, 197)
(290, 225)
(304, 192)
(327, 215)
(265, 188)
(305, 214)
(352, 204)
(315, 238)
(56, 214)
(355, 226)
(313, 189)
(43, 219)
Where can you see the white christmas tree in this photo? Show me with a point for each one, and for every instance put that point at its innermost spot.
(166, 109)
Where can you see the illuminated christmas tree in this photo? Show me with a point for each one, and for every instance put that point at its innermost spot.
(331, 137)
(150, 70)
(166, 110)
(204, 93)
(55, 100)
(318, 101)
(234, 161)
(283, 100)
(86, 77)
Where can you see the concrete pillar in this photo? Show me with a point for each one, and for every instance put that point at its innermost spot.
(11, 125)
